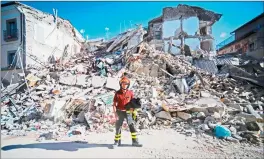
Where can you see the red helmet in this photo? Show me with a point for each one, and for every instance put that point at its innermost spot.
(124, 79)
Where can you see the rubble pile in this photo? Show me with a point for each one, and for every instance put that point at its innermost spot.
(76, 95)
(173, 100)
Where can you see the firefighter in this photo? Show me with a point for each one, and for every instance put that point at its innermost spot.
(121, 99)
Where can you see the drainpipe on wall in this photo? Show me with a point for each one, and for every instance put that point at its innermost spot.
(22, 34)
(23, 37)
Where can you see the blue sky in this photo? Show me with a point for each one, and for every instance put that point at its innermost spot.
(94, 17)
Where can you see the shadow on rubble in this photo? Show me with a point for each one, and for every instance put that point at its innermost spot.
(66, 146)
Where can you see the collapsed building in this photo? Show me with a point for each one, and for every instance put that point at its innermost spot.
(175, 91)
(32, 37)
(179, 35)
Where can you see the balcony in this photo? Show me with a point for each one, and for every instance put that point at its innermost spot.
(225, 42)
(10, 35)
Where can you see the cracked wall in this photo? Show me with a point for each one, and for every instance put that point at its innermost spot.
(45, 37)
(197, 24)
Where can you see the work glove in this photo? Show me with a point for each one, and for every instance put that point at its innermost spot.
(134, 114)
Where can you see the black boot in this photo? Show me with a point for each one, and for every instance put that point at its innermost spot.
(119, 143)
(136, 143)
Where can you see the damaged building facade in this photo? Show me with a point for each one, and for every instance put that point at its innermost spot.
(247, 39)
(155, 32)
(183, 27)
(180, 92)
(32, 37)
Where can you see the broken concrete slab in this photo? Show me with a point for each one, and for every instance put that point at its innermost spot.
(205, 94)
(82, 80)
(57, 112)
(182, 86)
(209, 106)
(252, 111)
(68, 80)
(98, 81)
(209, 102)
(184, 115)
(112, 83)
(163, 115)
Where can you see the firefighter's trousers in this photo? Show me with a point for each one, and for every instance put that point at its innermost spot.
(121, 116)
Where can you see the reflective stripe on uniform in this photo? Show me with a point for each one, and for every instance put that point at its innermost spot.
(118, 137)
(133, 134)
(134, 137)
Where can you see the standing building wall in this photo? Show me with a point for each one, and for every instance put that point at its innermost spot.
(37, 35)
(46, 37)
(11, 39)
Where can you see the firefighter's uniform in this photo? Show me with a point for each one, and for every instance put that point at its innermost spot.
(122, 98)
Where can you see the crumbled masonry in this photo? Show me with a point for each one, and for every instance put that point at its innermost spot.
(190, 94)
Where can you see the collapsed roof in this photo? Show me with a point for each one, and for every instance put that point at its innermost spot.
(185, 11)
(32, 13)
(124, 38)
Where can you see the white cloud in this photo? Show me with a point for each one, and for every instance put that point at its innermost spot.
(223, 35)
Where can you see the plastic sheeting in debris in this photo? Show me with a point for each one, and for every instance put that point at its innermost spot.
(221, 131)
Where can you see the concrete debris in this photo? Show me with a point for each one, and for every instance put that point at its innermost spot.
(68, 80)
(76, 94)
(163, 115)
(204, 127)
(112, 83)
(201, 115)
(184, 116)
(182, 86)
(205, 94)
(82, 81)
(98, 81)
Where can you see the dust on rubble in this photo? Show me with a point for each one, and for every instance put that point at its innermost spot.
(74, 98)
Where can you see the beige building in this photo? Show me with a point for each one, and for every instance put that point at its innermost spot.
(247, 39)
(32, 37)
